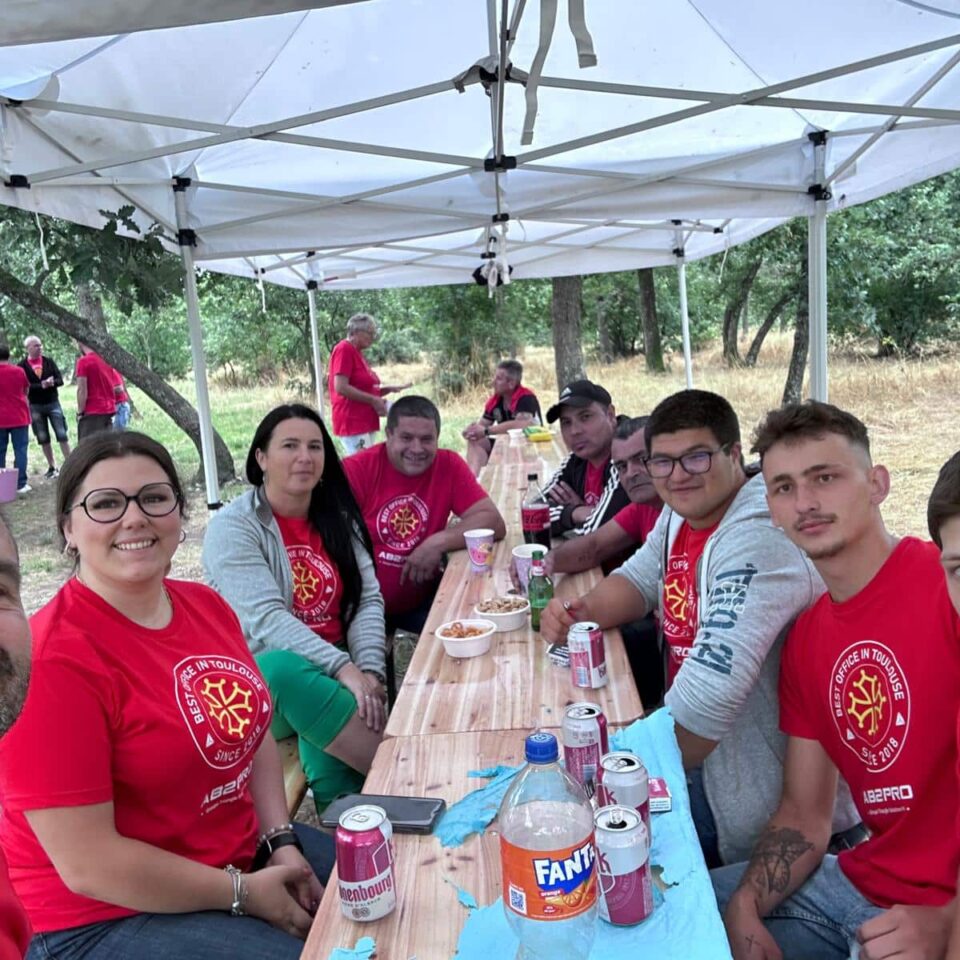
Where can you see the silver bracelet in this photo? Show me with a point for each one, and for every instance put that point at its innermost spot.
(274, 831)
(239, 906)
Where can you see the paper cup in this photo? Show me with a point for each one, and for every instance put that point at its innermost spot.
(480, 548)
(523, 561)
(8, 484)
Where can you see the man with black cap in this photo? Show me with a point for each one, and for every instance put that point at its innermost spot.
(585, 492)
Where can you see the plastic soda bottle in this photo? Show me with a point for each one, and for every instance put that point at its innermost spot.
(535, 514)
(548, 858)
(539, 590)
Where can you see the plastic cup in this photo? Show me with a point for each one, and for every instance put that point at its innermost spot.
(8, 484)
(480, 548)
(523, 561)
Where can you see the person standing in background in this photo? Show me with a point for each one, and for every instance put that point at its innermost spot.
(96, 394)
(122, 417)
(14, 416)
(43, 376)
(356, 394)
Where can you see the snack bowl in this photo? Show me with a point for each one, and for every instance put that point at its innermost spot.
(461, 647)
(509, 619)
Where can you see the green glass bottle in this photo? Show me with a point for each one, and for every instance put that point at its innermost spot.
(539, 590)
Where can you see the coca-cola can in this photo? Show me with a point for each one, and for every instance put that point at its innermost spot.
(364, 837)
(623, 858)
(622, 780)
(588, 661)
(584, 734)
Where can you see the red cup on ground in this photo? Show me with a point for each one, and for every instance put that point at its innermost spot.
(480, 548)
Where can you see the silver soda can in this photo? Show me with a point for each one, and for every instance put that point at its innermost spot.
(368, 890)
(588, 661)
(584, 735)
(622, 779)
(623, 857)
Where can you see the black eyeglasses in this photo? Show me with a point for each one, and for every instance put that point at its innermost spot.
(696, 462)
(107, 504)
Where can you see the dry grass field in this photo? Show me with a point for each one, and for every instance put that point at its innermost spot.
(909, 407)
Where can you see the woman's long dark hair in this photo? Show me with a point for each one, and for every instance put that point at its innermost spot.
(333, 512)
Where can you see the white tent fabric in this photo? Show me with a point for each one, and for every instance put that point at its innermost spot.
(338, 131)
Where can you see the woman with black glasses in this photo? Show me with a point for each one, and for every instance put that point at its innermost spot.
(141, 784)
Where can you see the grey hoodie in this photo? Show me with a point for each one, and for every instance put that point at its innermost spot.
(245, 561)
(752, 582)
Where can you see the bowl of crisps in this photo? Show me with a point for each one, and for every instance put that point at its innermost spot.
(466, 638)
(507, 613)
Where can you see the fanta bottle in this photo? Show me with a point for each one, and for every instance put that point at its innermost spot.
(547, 858)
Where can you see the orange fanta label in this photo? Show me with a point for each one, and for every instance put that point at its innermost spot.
(549, 884)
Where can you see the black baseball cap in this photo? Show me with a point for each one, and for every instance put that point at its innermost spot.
(580, 393)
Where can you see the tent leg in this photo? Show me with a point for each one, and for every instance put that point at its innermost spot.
(315, 342)
(684, 316)
(817, 274)
(187, 240)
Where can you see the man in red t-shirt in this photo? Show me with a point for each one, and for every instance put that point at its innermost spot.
(869, 675)
(14, 677)
(511, 406)
(407, 489)
(14, 416)
(96, 394)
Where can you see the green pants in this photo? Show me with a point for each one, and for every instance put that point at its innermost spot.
(315, 707)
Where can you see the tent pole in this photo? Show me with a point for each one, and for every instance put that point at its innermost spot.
(684, 317)
(187, 238)
(817, 271)
(315, 340)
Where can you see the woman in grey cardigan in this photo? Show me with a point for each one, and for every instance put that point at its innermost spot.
(293, 558)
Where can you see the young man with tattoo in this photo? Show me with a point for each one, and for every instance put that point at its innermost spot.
(869, 687)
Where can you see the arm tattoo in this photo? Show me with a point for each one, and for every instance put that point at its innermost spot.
(776, 851)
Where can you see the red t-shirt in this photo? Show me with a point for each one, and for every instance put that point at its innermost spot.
(162, 723)
(36, 366)
(120, 396)
(14, 925)
(593, 485)
(876, 680)
(680, 600)
(14, 409)
(637, 520)
(401, 512)
(317, 588)
(349, 416)
(100, 395)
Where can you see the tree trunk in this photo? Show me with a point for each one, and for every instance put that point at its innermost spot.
(175, 406)
(90, 307)
(793, 389)
(731, 316)
(603, 332)
(768, 321)
(652, 346)
(566, 309)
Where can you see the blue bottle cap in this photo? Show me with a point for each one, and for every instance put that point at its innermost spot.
(541, 748)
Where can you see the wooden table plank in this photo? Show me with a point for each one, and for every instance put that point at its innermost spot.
(428, 919)
(514, 686)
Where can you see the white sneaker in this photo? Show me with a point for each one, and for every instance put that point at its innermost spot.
(26, 488)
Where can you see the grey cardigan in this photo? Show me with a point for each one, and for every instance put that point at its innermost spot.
(245, 561)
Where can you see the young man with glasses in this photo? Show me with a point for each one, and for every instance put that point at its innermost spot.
(728, 585)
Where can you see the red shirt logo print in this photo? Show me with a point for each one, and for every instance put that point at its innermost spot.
(401, 521)
(315, 582)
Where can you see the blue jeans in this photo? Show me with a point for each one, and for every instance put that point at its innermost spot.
(20, 438)
(206, 935)
(122, 417)
(819, 922)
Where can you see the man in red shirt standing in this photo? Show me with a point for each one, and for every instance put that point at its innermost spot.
(96, 394)
(869, 689)
(14, 678)
(407, 489)
(14, 416)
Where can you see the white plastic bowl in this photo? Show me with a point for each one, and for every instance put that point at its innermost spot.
(468, 646)
(515, 620)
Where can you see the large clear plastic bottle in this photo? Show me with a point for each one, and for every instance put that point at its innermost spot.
(547, 856)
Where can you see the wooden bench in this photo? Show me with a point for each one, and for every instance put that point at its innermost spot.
(294, 780)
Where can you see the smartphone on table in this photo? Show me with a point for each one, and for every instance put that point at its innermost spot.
(406, 814)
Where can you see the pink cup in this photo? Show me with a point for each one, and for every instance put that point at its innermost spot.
(523, 561)
(480, 548)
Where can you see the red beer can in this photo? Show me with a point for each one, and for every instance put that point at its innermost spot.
(623, 858)
(622, 780)
(588, 661)
(584, 734)
(365, 863)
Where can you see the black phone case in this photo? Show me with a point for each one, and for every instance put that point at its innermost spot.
(406, 814)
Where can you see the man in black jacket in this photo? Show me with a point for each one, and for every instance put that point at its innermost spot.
(45, 412)
(585, 492)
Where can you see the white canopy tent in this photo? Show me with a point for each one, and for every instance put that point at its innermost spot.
(332, 142)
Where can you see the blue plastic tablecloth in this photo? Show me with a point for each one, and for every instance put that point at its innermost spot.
(686, 925)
